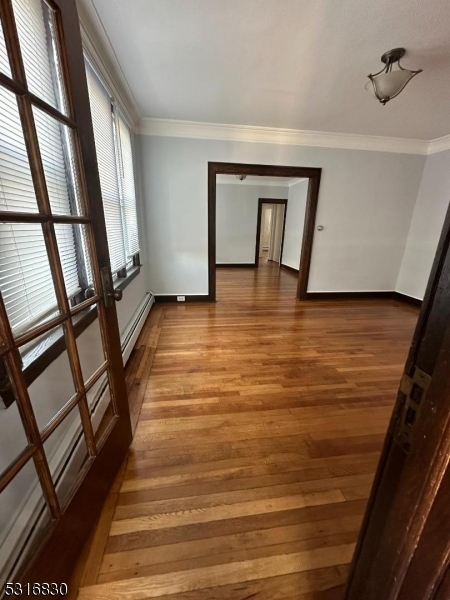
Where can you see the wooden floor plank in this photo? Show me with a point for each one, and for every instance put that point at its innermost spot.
(258, 425)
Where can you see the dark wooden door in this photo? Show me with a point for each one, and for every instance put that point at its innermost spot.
(61, 510)
(404, 547)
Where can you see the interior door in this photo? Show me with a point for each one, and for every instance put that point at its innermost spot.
(404, 546)
(62, 466)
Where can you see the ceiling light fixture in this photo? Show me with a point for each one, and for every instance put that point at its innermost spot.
(241, 177)
(388, 83)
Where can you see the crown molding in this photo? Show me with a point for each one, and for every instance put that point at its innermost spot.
(439, 145)
(98, 47)
(271, 135)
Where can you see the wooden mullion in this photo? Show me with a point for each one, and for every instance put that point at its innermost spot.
(19, 217)
(85, 304)
(28, 417)
(10, 472)
(60, 416)
(11, 85)
(19, 90)
(51, 110)
(72, 352)
(12, 42)
(38, 330)
(51, 243)
(96, 375)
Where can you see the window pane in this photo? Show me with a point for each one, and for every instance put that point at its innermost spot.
(128, 188)
(23, 520)
(37, 36)
(65, 237)
(90, 350)
(13, 439)
(57, 153)
(4, 62)
(102, 120)
(16, 185)
(54, 387)
(25, 277)
(101, 406)
(66, 453)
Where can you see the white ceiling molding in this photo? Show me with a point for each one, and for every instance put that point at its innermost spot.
(98, 47)
(439, 145)
(271, 135)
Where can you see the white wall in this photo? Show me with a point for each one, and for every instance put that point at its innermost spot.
(365, 205)
(236, 220)
(295, 220)
(426, 226)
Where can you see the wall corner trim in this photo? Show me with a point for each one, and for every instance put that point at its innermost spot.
(439, 145)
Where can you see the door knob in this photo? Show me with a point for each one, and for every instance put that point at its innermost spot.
(110, 295)
(116, 294)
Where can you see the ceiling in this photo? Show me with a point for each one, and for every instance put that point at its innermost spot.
(297, 64)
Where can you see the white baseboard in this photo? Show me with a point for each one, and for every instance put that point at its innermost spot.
(134, 329)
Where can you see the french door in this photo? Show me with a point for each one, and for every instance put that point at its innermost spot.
(403, 551)
(64, 434)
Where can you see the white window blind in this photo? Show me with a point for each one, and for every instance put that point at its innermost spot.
(101, 107)
(4, 62)
(115, 163)
(25, 278)
(128, 188)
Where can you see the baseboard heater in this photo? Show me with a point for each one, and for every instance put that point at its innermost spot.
(137, 322)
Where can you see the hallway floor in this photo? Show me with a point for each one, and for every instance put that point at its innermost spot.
(255, 449)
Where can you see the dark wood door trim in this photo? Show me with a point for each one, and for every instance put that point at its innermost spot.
(262, 201)
(311, 173)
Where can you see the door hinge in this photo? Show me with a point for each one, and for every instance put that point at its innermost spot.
(414, 389)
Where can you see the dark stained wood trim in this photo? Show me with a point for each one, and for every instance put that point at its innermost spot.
(288, 268)
(262, 201)
(407, 299)
(235, 265)
(188, 298)
(397, 296)
(308, 235)
(349, 295)
(311, 173)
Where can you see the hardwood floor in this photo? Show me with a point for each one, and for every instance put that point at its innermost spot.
(261, 425)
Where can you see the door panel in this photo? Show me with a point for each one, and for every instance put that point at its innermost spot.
(75, 432)
(397, 554)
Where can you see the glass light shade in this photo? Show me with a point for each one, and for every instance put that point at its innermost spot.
(388, 85)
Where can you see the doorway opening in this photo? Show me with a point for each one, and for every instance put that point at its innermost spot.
(221, 254)
(270, 230)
